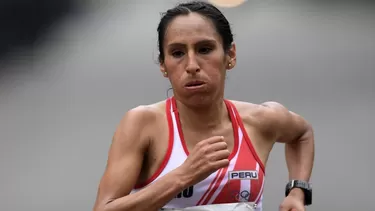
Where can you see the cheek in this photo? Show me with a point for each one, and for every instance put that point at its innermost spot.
(173, 65)
(174, 76)
(217, 76)
(217, 69)
(172, 69)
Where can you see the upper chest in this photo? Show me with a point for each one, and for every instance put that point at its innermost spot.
(235, 128)
(190, 137)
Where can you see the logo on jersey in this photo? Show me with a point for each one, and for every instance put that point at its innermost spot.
(243, 175)
(242, 196)
(187, 193)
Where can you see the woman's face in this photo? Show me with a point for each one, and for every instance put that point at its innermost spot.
(195, 60)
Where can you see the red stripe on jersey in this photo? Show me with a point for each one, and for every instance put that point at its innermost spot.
(217, 185)
(210, 186)
(257, 186)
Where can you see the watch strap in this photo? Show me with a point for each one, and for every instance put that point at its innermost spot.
(304, 186)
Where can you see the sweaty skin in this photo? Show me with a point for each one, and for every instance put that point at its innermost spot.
(141, 141)
(194, 50)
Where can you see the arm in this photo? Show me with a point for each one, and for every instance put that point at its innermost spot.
(298, 136)
(124, 164)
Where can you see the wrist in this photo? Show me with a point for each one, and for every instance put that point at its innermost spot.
(299, 189)
(182, 178)
(297, 193)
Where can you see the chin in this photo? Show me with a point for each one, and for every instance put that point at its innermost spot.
(200, 98)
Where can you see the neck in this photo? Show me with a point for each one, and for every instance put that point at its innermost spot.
(202, 118)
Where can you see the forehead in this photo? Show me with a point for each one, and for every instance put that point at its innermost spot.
(190, 28)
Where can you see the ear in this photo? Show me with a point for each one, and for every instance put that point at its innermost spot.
(231, 57)
(163, 70)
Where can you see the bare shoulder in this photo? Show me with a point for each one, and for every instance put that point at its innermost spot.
(260, 114)
(125, 157)
(272, 118)
(141, 119)
(145, 113)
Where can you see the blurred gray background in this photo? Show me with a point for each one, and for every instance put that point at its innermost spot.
(62, 96)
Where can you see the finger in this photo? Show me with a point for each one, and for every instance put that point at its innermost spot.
(221, 163)
(218, 146)
(214, 139)
(220, 155)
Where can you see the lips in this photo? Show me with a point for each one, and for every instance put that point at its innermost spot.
(194, 83)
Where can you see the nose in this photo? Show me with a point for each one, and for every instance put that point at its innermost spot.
(192, 66)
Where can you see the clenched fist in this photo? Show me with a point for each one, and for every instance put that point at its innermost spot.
(208, 156)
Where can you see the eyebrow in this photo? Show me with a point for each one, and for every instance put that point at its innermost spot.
(204, 41)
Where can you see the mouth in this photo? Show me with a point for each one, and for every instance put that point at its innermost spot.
(194, 84)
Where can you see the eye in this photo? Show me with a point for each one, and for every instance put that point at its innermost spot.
(177, 54)
(205, 50)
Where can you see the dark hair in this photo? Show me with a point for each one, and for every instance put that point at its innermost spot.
(205, 9)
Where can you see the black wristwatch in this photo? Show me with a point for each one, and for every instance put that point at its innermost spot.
(304, 186)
